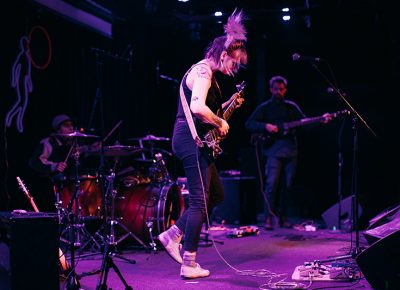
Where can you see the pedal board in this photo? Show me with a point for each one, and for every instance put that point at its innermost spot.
(243, 231)
(320, 273)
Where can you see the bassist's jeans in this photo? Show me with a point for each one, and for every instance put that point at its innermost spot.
(193, 218)
(280, 173)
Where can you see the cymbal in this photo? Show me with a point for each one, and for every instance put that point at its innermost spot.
(118, 150)
(77, 134)
(149, 138)
(143, 160)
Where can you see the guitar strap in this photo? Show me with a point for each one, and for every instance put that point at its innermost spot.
(188, 114)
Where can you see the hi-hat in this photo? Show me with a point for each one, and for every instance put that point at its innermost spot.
(149, 138)
(77, 134)
(118, 150)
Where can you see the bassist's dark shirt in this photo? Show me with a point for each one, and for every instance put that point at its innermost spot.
(276, 112)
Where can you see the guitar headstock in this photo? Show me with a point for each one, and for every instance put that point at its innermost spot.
(22, 186)
(240, 87)
(344, 112)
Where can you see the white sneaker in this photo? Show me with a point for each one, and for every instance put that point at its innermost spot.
(189, 272)
(171, 245)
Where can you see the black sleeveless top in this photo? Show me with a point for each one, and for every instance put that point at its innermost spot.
(213, 101)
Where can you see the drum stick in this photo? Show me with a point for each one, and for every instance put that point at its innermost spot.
(69, 153)
(112, 131)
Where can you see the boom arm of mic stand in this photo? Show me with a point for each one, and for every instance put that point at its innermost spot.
(343, 98)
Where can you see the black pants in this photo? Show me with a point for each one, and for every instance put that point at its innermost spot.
(280, 172)
(205, 186)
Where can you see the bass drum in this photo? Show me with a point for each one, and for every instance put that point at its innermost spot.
(159, 205)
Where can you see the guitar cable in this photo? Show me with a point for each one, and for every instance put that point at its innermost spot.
(255, 273)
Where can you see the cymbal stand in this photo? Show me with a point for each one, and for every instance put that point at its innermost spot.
(110, 246)
(72, 280)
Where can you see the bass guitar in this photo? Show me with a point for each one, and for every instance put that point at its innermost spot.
(211, 138)
(63, 262)
(285, 127)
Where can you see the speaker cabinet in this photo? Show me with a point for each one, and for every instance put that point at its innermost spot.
(239, 205)
(29, 251)
(380, 263)
(331, 215)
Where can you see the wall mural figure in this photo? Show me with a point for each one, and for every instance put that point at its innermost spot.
(22, 82)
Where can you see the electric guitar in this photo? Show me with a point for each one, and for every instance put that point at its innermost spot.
(211, 138)
(63, 262)
(285, 127)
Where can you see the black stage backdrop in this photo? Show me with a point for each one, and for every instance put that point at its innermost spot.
(359, 40)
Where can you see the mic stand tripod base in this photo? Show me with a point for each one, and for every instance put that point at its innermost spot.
(73, 283)
(105, 267)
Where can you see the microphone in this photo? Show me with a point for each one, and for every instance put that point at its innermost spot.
(157, 72)
(130, 57)
(298, 57)
(330, 90)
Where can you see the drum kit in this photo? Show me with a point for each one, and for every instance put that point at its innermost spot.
(139, 201)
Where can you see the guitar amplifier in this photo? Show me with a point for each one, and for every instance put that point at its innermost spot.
(239, 204)
(29, 251)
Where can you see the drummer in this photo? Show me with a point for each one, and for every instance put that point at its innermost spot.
(52, 160)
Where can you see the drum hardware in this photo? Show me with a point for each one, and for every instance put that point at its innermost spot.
(73, 281)
(149, 138)
(118, 150)
(149, 224)
(87, 206)
(159, 169)
(112, 222)
(76, 134)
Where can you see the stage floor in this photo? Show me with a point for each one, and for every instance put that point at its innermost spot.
(248, 262)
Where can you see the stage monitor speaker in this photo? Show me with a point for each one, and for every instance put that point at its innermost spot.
(387, 224)
(29, 251)
(383, 217)
(380, 263)
(239, 205)
(330, 216)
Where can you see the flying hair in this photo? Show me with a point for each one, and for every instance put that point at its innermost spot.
(234, 28)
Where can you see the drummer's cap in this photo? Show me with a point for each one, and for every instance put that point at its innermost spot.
(58, 120)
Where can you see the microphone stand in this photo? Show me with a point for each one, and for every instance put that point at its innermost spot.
(108, 252)
(357, 118)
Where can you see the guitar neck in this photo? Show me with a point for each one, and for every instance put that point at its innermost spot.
(35, 208)
(27, 194)
(302, 122)
(229, 110)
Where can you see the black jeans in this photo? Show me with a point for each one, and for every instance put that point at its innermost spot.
(280, 173)
(195, 161)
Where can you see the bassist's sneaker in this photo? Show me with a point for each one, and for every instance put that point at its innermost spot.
(190, 272)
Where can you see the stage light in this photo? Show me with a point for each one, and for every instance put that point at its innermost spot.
(218, 14)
